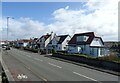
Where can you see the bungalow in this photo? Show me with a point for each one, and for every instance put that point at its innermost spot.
(86, 43)
(59, 43)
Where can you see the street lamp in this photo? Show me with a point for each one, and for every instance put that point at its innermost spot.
(8, 26)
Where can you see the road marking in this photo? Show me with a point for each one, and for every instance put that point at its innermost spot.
(22, 76)
(85, 76)
(38, 59)
(6, 70)
(44, 79)
(54, 65)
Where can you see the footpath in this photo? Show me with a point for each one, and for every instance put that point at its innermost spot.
(0, 67)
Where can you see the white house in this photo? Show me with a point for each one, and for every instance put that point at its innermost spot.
(86, 43)
(62, 44)
(59, 43)
(44, 40)
(2, 42)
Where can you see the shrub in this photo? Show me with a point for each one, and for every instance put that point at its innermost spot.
(112, 57)
(53, 51)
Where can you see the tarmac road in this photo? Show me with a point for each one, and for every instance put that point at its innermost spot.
(28, 66)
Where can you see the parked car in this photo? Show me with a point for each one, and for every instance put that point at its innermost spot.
(4, 46)
(7, 48)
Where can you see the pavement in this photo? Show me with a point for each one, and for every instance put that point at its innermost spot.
(0, 72)
(25, 66)
(0, 65)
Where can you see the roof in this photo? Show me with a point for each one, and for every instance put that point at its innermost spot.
(24, 40)
(89, 40)
(45, 36)
(62, 38)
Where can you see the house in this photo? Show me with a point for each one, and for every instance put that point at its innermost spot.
(33, 43)
(59, 43)
(3, 42)
(44, 40)
(86, 43)
(53, 43)
(62, 44)
(22, 42)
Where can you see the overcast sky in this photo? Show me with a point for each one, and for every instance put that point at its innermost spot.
(33, 19)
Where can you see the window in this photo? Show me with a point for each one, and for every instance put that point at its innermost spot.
(82, 38)
(92, 51)
(64, 47)
(59, 47)
(101, 51)
(79, 38)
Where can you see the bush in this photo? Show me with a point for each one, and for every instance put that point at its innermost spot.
(112, 57)
(53, 51)
(81, 55)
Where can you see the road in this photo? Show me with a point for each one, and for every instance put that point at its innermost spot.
(28, 66)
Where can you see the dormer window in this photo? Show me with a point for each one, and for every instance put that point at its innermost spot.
(82, 38)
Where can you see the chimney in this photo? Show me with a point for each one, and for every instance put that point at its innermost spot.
(52, 35)
(47, 33)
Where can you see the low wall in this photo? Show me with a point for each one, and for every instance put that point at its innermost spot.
(93, 62)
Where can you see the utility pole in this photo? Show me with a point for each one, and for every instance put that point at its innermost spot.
(8, 27)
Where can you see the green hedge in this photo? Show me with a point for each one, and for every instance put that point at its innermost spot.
(81, 55)
(31, 49)
(111, 58)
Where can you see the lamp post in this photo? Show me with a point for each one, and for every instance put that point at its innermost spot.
(8, 26)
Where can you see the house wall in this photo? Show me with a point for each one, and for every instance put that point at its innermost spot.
(47, 41)
(93, 52)
(64, 45)
(49, 46)
(99, 52)
(25, 44)
(103, 52)
(97, 43)
(96, 52)
(54, 42)
(87, 49)
(74, 49)
(42, 43)
(59, 47)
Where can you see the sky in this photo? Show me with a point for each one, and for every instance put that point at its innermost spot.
(34, 19)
